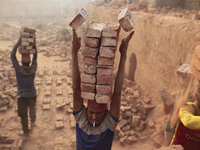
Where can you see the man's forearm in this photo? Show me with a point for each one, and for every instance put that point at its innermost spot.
(14, 50)
(75, 71)
(120, 75)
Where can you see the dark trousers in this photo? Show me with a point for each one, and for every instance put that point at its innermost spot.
(23, 104)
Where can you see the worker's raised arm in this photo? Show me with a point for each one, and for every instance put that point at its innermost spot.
(116, 97)
(77, 100)
(13, 54)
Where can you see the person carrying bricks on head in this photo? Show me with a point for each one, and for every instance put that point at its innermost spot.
(25, 75)
(187, 133)
(95, 125)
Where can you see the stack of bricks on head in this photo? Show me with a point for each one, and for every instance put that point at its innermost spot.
(99, 53)
(27, 41)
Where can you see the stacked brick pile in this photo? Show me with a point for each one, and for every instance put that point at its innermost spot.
(133, 124)
(27, 41)
(99, 53)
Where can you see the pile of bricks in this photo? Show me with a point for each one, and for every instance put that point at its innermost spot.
(133, 125)
(99, 53)
(27, 41)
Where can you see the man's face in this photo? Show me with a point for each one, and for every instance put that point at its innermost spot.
(95, 116)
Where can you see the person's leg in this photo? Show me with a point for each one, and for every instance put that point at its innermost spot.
(168, 138)
(22, 112)
(32, 110)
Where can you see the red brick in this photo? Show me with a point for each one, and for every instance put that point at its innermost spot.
(90, 51)
(104, 89)
(24, 34)
(131, 139)
(79, 19)
(195, 62)
(95, 29)
(86, 95)
(102, 98)
(122, 123)
(89, 61)
(108, 52)
(104, 70)
(125, 20)
(105, 61)
(108, 41)
(111, 30)
(88, 78)
(90, 69)
(88, 87)
(104, 79)
(125, 128)
(183, 69)
(92, 42)
(25, 29)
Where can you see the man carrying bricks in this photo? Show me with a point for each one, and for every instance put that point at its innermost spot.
(25, 75)
(95, 125)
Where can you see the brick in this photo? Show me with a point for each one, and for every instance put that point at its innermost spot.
(25, 43)
(26, 51)
(197, 51)
(126, 133)
(46, 101)
(33, 35)
(60, 106)
(195, 72)
(166, 96)
(90, 69)
(122, 141)
(59, 125)
(95, 29)
(147, 100)
(103, 89)
(3, 108)
(24, 39)
(136, 94)
(125, 19)
(24, 34)
(90, 51)
(128, 113)
(59, 117)
(46, 107)
(49, 81)
(148, 108)
(38, 81)
(31, 40)
(183, 69)
(73, 124)
(47, 93)
(105, 61)
(111, 30)
(86, 95)
(25, 29)
(92, 42)
(108, 41)
(79, 19)
(141, 109)
(151, 123)
(102, 98)
(117, 129)
(41, 73)
(125, 128)
(58, 81)
(131, 139)
(121, 134)
(20, 144)
(69, 111)
(59, 91)
(29, 47)
(104, 79)
(88, 78)
(89, 61)
(122, 123)
(90, 88)
(136, 119)
(104, 70)
(108, 52)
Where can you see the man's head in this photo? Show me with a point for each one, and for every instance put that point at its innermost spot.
(26, 59)
(95, 112)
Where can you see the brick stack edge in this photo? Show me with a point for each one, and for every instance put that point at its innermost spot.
(27, 41)
(99, 53)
